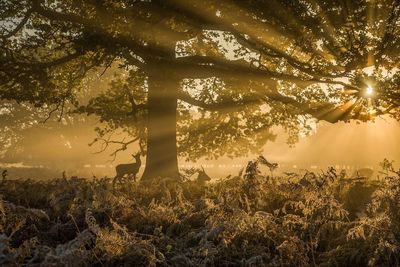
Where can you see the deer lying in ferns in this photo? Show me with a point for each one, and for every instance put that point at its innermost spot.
(128, 169)
(203, 177)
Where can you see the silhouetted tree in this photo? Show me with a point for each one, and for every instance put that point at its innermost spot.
(244, 65)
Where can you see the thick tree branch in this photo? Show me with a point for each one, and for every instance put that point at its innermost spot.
(220, 106)
(104, 36)
(253, 42)
(55, 62)
(205, 67)
(320, 112)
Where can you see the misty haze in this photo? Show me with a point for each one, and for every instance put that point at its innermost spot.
(200, 133)
(351, 146)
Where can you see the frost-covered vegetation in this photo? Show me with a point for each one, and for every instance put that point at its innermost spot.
(320, 219)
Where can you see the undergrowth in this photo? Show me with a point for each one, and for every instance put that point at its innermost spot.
(322, 219)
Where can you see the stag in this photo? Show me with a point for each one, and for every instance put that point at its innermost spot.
(128, 169)
(203, 177)
(4, 174)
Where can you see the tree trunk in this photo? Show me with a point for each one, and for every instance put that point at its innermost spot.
(162, 158)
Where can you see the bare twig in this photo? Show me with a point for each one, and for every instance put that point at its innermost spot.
(106, 142)
(107, 66)
(52, 111)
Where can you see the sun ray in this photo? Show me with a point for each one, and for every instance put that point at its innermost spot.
(338, 112)
(261, 31)
(327, 25)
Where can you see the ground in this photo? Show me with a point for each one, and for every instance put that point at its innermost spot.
(254, 220)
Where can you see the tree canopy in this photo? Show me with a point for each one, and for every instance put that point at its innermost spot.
(232, 69)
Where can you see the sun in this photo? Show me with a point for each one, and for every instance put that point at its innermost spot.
(369, 91)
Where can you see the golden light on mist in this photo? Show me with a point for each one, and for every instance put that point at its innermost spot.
(369, 91)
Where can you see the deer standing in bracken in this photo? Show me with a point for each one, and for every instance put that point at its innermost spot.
(4, 174)
(128, 169)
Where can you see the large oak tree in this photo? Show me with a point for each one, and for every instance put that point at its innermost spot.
(243, 65)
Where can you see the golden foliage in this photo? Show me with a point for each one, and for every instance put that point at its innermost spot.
(254, 220)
